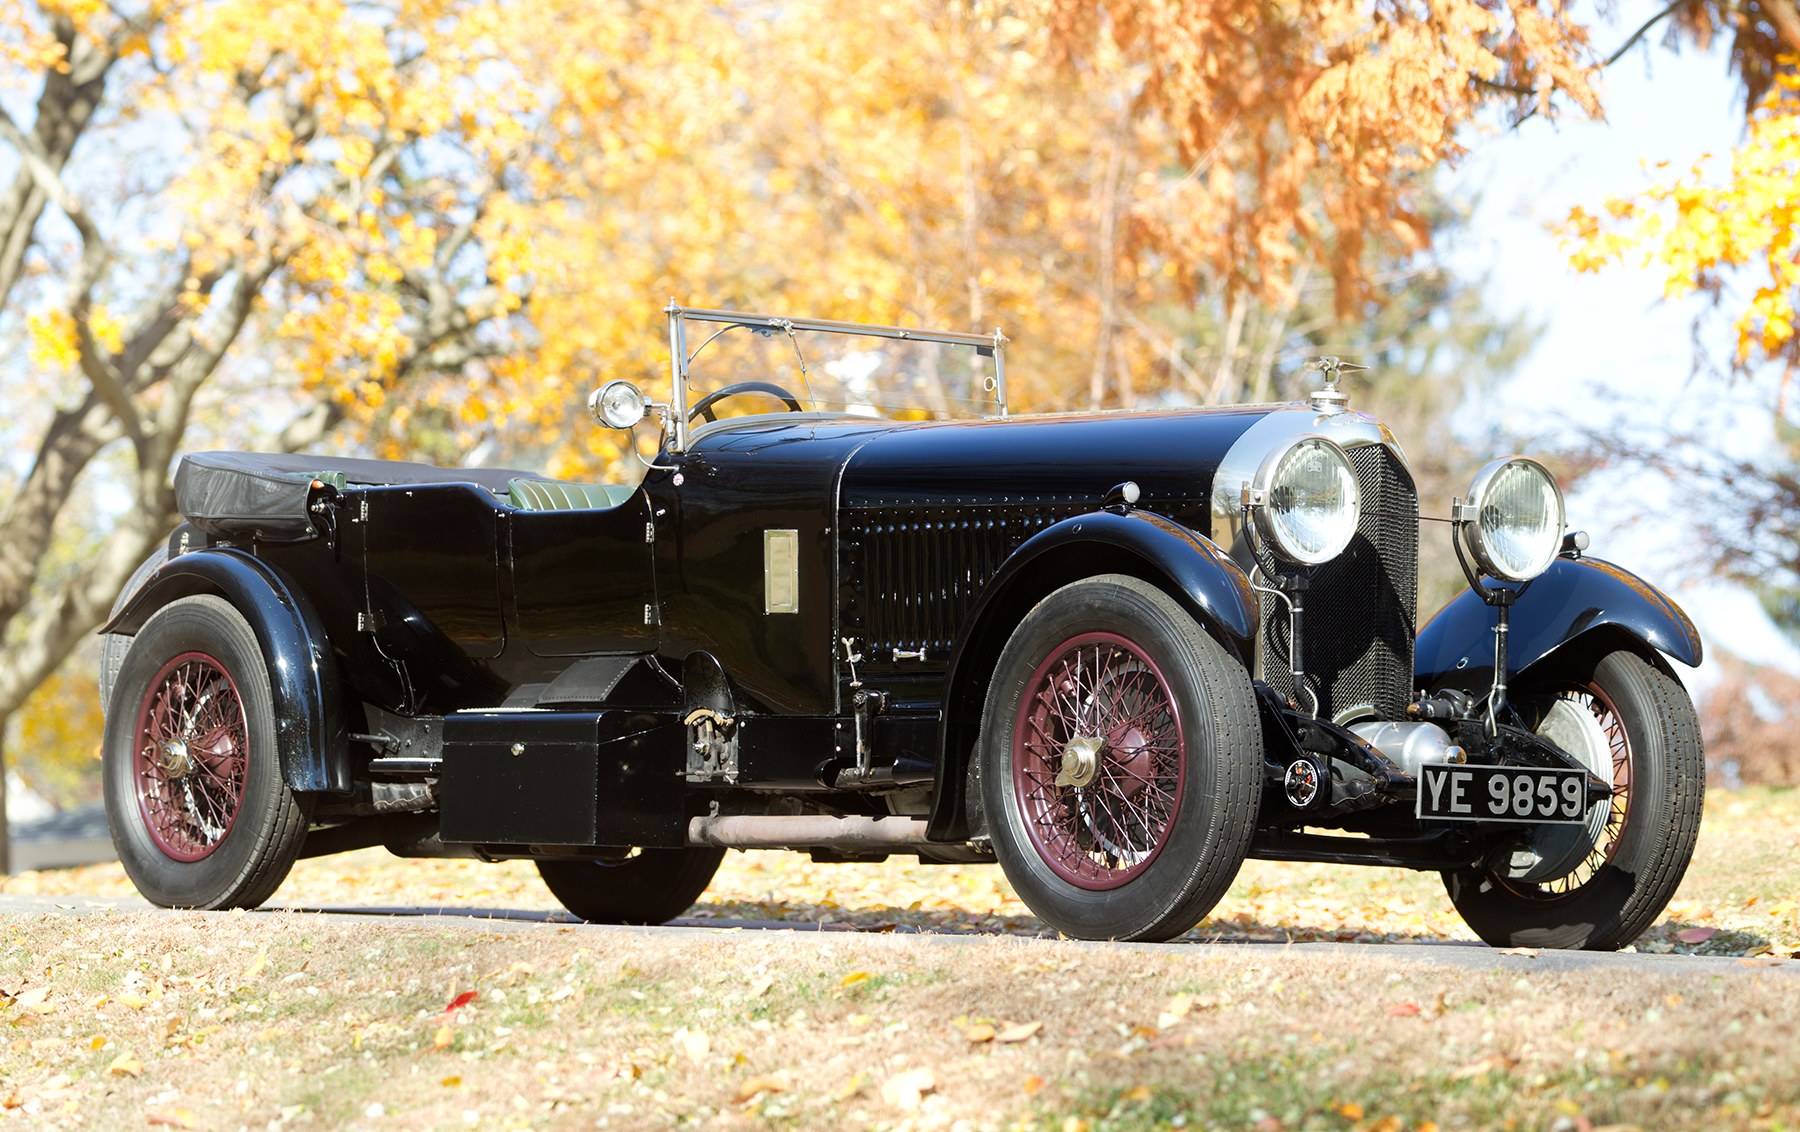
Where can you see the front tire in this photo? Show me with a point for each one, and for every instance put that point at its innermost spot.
(651, 886)
(195, 799)
(1119, 758)
(1605, 897)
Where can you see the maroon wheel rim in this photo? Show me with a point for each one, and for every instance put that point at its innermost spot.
(189, 760)
(1097, 760)
(1593, 699)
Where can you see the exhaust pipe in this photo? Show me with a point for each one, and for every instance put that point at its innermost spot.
(805, 831)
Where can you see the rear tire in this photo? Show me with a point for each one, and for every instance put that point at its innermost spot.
(652, 886)
(195, 798)
(1623, 883)
(1119, 757)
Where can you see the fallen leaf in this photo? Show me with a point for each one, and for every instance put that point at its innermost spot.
(443, 1038)
(1137, 1094)
(1527, 952)
(1696, 935)
(1018, 1032)
(694, 1043)
(134, 1001)
(1032, 1085)
(257, 965)
(451, 1082)
(1493, 1063)
(1403, 1010)
(460, 1001)
(34, 999)
(98, 1042)
(125, 1066)
(906, 1090)
(761, 986)
(1176, 1009)
(175, 1118)
(751, 1087)
(853, 978)
(1350, 1111)
(980, 1032)
(1761, 961)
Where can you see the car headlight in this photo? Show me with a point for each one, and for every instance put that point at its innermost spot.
(1513, 519)
(1307, 500)
(618, 403)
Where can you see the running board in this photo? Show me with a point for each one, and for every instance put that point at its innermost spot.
(805, 831)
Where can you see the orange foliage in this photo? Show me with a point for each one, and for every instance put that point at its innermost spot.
(474, 208)
(1306, 129)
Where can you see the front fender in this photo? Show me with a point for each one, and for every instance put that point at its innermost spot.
(1571, 601)
(1197, 573)
(310, 735)
(1204, 578)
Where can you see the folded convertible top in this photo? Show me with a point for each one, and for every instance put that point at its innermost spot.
(236, 495)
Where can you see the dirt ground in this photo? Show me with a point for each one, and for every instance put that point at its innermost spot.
(278, 1019)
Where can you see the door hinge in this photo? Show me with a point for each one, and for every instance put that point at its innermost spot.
(649, 614)
(649, 532)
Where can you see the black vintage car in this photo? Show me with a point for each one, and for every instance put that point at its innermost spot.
(872, 613)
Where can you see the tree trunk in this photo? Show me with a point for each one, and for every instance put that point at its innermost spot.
(5, 824)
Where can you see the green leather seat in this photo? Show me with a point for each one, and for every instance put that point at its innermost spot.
(555, 495)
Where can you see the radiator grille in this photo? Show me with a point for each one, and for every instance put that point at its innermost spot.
(1360, 607)
(913, 574)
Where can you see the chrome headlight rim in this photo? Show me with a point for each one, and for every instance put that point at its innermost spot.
(618, 404)
(1477, 532)
(1270, 516)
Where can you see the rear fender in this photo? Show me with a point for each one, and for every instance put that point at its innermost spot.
(1193, 570)
(310, 734)
(1574, 605)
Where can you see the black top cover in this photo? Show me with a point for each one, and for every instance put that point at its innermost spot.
(237, 495)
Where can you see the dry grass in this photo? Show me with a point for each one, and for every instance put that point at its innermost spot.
(278, 1019)
(281, 1018)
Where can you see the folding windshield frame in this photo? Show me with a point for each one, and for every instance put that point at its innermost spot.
(987, 345)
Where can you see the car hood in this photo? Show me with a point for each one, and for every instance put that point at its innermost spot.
(1071, 459)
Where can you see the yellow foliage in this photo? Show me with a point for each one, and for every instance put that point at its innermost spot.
(53, 341)
(58, 740)
(1732, 216)
(474, 208)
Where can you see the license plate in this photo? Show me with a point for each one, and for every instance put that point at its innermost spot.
(1531, 794)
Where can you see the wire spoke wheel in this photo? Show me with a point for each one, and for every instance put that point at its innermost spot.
(1598, 886)
(1607, 825)
(1118, 762)
(1097, 761)
(196, 801)
(189, 756)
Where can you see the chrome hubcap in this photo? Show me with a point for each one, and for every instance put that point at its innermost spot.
(1080, 762)
(175, 760)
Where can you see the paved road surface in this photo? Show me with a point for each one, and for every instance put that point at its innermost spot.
(1469, 956)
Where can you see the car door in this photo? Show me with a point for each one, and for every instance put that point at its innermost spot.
(584, 579)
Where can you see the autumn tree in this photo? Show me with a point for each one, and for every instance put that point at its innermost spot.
(329, 180)
(427, 227)
(1725, 227)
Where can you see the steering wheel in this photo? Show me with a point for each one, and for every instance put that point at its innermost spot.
(703, 407)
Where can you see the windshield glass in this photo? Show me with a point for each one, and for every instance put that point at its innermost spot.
(741, 364)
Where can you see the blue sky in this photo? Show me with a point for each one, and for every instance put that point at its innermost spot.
(1612, 354)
